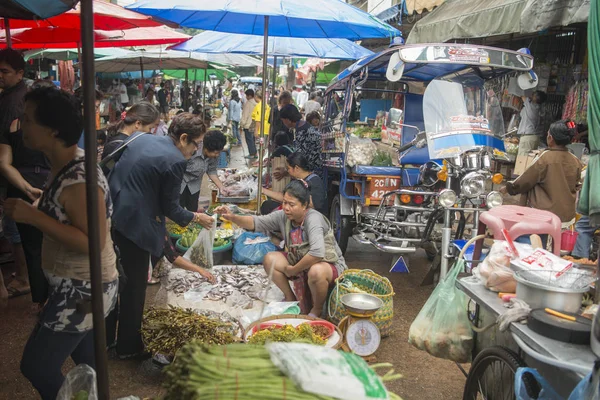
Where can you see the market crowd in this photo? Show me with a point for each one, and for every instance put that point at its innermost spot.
(146, 176)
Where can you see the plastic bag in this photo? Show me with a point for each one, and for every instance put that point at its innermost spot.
(251, 247)
(274, 308)
(80, 384)
(547, 392)
(442, 328)
(201, 252)
(495, 272)
(589, 387)
(327, 372)
(360, 151)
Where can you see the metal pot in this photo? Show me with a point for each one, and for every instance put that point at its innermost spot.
(539, 295)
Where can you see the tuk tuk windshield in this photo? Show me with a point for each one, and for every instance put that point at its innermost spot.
(460, 117)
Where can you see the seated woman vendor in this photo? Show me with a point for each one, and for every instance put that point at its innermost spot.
(312, 259)
(298, 168)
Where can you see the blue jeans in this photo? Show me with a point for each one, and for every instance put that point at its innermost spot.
(235, 128)
(11, 233)
(46, 352)
(250, 142)
(584, 239)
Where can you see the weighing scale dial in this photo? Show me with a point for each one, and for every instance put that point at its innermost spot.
(363, 337)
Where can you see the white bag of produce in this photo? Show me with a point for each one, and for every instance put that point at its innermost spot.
(327, 372)
(361, 151)
(79, 384)
(442, 327)
(495, 272)
(201, 252)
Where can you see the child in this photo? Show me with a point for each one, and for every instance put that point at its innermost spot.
(101, 141)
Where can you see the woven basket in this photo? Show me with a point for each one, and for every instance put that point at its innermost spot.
(371, 283)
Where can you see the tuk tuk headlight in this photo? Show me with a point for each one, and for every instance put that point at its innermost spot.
(472, 185)
(494, 199)
(447, 198)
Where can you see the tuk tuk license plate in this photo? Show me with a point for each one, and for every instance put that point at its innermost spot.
(378, 187)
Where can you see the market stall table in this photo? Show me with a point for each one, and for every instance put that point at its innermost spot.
(560, 351)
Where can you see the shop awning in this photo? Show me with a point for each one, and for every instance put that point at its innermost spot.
(418, 6)
(392, 14)
(463, 19)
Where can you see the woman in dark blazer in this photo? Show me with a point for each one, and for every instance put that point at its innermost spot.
(145, 185)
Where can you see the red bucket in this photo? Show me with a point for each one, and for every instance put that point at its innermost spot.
(567, 240)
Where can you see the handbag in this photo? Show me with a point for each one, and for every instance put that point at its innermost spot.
(108, 163)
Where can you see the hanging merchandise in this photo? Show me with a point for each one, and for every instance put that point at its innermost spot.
(576, 103)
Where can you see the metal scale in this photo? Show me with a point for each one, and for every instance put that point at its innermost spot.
(360, 333)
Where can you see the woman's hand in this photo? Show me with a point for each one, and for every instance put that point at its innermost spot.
(19, 210)
(222, 210)
(279, 173)
(209, 277)
(33, 193)
(224, 191)
(290, 271)
(205, 220)
(503, 190)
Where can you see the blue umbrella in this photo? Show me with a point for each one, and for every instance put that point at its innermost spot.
(219, 42)
(32, 9)
(287, 18)
(284, 18)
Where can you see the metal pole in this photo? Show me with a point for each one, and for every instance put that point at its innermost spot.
(7, 31)
(143, 80)
(271, 140)
(204, 95)
(263, 106)
(187, 90)
(91, 180)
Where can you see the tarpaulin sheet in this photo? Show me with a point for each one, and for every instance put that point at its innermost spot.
(462, 19)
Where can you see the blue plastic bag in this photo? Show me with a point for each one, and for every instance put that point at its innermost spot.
(547, 392)
(589, 387)
(246, 253)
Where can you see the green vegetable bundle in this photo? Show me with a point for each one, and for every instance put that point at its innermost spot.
(235, 371)
(189, 237)
(382, 159)
(166, 330)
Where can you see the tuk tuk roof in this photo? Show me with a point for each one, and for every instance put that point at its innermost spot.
(426, 62)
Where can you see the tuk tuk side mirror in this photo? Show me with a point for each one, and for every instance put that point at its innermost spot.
(395, 68)
(528, 80)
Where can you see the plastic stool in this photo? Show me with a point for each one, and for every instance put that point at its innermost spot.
(519, 221)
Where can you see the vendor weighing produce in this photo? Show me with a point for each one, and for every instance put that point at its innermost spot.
(312, 259)
(204, 161)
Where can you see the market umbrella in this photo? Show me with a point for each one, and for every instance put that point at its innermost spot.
(589, 198)
(68, 54)
(284, 18)
(198, 74)
(220, 42)
(31, 10)
(107, 16)
(49, 37)
(153, 60)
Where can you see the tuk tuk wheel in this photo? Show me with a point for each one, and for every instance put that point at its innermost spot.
(341, 224)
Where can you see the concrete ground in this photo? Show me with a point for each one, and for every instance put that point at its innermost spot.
(425, 377)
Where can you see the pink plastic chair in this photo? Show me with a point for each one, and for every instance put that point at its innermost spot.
(519, 221)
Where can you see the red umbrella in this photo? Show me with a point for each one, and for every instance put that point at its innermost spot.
(64, 38)
(107, 16)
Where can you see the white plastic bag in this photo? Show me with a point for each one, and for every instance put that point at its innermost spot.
(79, 384)
(495, 271)
(274, 308)
(201, 252)
(327, 372)
(361, 151)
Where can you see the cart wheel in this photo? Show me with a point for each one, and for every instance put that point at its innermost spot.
(492, 376)
(341, 224)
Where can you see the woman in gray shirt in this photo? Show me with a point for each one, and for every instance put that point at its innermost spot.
(312, 259)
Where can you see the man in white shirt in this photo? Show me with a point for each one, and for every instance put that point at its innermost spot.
(123, 92)
(302, 98)
(530, 126)
(295, 94)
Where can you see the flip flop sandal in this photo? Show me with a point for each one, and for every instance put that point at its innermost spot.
(14, 292)
(153, 281)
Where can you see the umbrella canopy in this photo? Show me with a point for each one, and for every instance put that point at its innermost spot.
(220, 42)
(198, 74)
(59, 37)
(68, 54)
(150, 60)
(589, 198)
(107, 16)
(34, 9)
(287, 18)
